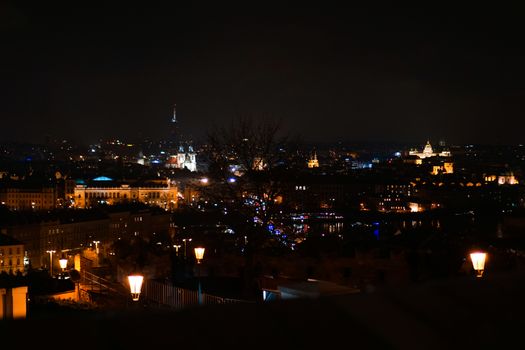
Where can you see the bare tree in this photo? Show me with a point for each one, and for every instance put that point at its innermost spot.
(246, 177)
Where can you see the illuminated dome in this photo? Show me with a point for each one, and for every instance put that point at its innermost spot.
(428, 150)
(102, 178)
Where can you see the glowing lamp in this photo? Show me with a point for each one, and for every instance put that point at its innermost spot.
(63, 263)
(204, 180)
(478, 262)
(199, 254)
(135, 284)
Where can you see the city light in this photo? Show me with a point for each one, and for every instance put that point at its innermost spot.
(96, 246)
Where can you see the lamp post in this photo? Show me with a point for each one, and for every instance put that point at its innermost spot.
(176, 246)
(51, 261)
(478, 262)
(96, 246)
(135, 285)
(185, 240)
(199, 255)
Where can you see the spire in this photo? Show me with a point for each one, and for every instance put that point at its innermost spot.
(174, 118)
(313, 162)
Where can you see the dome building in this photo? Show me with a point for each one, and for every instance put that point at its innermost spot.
(428, 152)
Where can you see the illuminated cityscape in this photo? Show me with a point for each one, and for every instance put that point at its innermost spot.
(296, 179)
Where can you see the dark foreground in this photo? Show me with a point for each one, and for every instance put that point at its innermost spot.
(463, 313)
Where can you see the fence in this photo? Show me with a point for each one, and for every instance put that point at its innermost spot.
(178, 298)
(94, 283)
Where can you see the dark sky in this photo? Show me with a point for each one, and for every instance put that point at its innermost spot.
(352, 74)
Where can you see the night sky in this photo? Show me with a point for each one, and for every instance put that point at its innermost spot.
(350, 74)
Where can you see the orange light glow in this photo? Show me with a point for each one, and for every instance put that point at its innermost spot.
(135, 285)
(63, 263)
(478, 262)
(199, 254)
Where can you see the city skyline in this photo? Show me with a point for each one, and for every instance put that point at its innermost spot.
(356, 74)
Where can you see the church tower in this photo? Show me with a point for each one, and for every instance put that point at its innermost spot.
(313, 162)
(181, 157)
(191, 160)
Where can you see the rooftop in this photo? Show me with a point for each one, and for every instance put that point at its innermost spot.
(8, 240)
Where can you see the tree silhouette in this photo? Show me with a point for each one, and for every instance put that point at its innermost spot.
(246, 178)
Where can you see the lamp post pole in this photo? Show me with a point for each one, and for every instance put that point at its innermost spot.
(199, 255)
(51, 261)
(185, 240)
(96, 246)
(199, 291)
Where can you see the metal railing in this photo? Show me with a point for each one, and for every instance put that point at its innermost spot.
(166, 295)
(94, 283)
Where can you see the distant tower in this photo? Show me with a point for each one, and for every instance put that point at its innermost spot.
(191, 159)
(174, 127)
(174, 117)
(181, 157)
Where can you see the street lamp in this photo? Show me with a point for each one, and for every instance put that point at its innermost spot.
(199, 255)
(96, 245)
(63, 262)
(51, 261)
(135, 284)
(185, 240)
(176, 246)
(478, 262)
